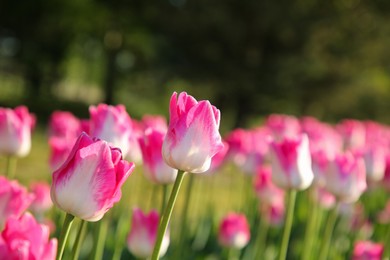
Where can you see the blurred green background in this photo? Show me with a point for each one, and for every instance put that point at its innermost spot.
(329, 59)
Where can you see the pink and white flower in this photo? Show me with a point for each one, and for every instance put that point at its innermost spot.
(291, 163)
(42, 200)
(265, 189)
(89, 183)
(14, 199)
(346, 177)
(156, 170)
(64, 124)
(234, 231)
(15, 131)
(193, 136)
(143, 234)
(112, 124)
(367, 250)
(353, 133)
(25, 239)
(283, 126)
(274, 212)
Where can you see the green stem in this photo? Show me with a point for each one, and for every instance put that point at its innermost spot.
(310, 230)
(184, 213)
(328, 233)
(11, 167)
(100, 239)
(120, 236)
(261, 240)
(287, 227)
(164, 197)
(233, 254)
(64, 235)
(387, 242)
(167, 214)
(79, 239)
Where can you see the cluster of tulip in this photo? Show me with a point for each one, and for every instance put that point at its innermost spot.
(338, 166)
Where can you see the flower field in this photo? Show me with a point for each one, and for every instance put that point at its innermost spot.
(112, 187)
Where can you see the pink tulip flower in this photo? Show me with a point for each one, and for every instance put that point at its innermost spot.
(156, 170)
(265, 189)
(14, 199)
(234, 231)
(89, 182)
(219, 158)
(384, 215)
(274, 212)
(386, 177)
(64, 124)
(346, 177)
(155, 122)
(367, 250)
(325, 199)
(143, 234)
(353, 133)
(42, 200)
(15, 131)
(25, 239)
(283, 126)
(291, 163)
(135, 154)
(193, 134)
(60, 149)
(112, 124)
(374, 156)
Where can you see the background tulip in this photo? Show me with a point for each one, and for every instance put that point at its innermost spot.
(25, 239)
(367, 250)
(234, 231)
(15, 131)
(94, 172)
(143, 234)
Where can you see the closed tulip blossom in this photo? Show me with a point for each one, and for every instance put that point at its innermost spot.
(14, 199)
(89, 182)
(346, 177)
(265, 189)
(64, 124)
(60, 149)
(193, 134)
(42, 201)
(15, 131)
(283, 126)
(143, 233)
(25, 239)
(112, 124)
(156, 170)
(234, 231)
(367, 250)
(374, 156)
(291, 163)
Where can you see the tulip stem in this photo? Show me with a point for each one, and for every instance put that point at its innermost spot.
(184, 214)
(100, 239)
(328, 233)
(310, 228)
(167, 214)
(261, 239)
(120, 236)
(292, 194)
(11, 167)
(79, 239)
(64, 235)
(164, 197)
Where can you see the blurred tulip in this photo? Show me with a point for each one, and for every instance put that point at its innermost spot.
(156, 122)
(265, 189)
(273, 212)
(367, 250)
(64, 124)
(283, 126)
(143, 234)
(25, 239)
(15, 131)
(384, 214)
(374, 156)
(156, 170)
(346, 177)
(234, 231)
(60, 149)
(193, 134)
(219, 158)
(324, 198)
(134, 154)
(291, 163)
(353, 133)
(111, 124)
(42, 201)
(14, 200)
(89, 182)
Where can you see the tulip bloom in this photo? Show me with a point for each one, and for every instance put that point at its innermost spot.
(291, 163)
(14, 199)
(143, 234)
(112, 124)
(283, 126)
(234, 231)
(193, 134)
(156, 170)
(346, 177)
(367, 250)
(89, 182)
(23, 238)
(265, 189)
(64, 124)
(60, 149)
(42, 201)
(15, 131)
